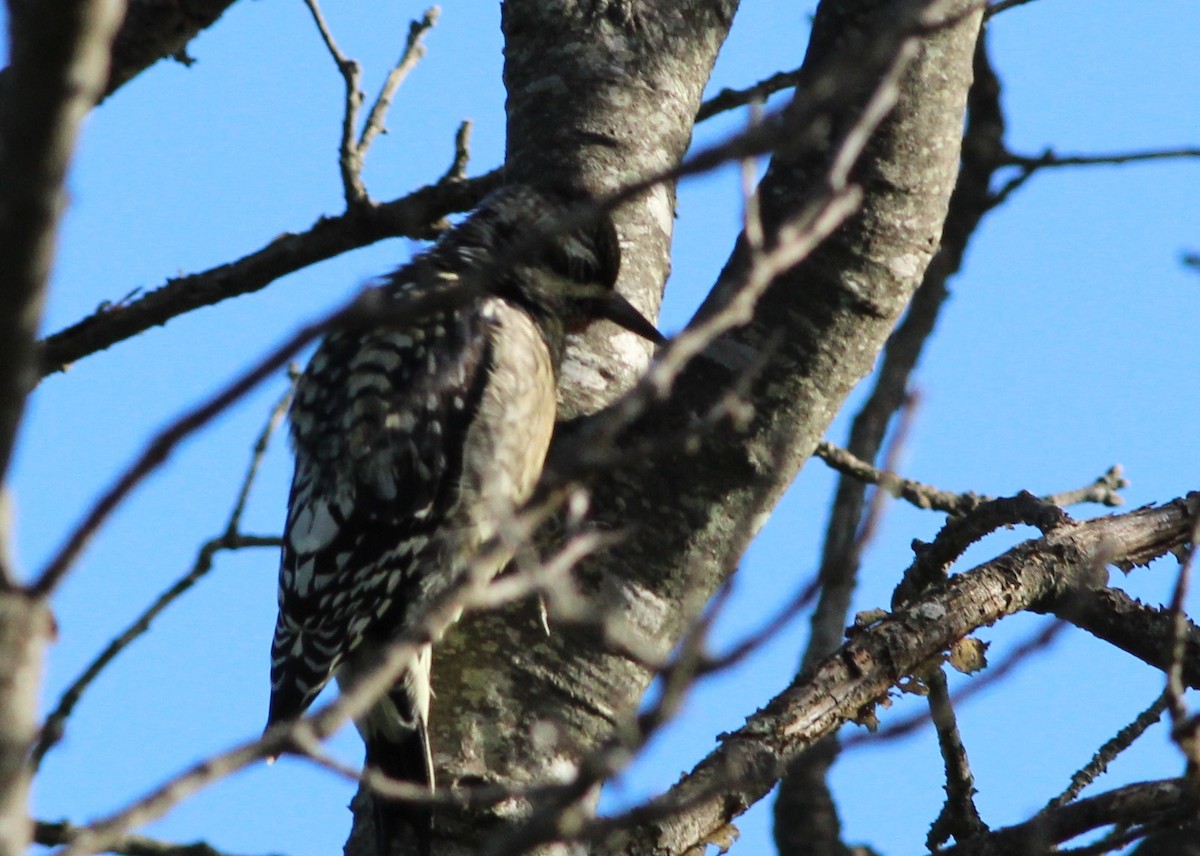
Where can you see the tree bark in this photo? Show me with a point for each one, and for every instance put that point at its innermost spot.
(513, 705)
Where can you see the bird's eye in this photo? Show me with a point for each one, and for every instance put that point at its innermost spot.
(571, 260)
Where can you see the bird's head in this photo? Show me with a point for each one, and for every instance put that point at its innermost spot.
(556, 262)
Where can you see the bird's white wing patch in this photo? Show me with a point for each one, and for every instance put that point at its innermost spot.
(313, 528)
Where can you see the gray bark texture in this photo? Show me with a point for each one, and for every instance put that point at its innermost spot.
(25, 629)
(601, 95)
(60, 59)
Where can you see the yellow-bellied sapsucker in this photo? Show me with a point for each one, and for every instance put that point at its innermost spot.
(413, 441)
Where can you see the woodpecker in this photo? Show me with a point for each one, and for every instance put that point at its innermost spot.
(413, 440)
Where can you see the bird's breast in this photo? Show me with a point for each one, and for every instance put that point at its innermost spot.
(508, 440)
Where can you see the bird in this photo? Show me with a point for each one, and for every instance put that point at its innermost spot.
(413, 441)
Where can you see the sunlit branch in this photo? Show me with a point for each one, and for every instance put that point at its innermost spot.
(745, 766)
(1130, 805)
(1102, 491)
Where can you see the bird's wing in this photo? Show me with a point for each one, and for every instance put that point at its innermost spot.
(378, 425)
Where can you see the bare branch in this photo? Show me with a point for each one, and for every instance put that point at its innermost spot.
(919, 494)
(1186, 730)
(1049, 158)
(1030, 166)
(1102, 491)
(1110, 750)
(804, 810)
(352, 153)
(350, 156)
(462, 153)
(744, 767)
(154, 31)
(959, 817)
(60, 59)
(933, 560)
(1146, 632)
(731, 99)
(1003, 5)
(413, 52)
(416, 215)
(57, 834)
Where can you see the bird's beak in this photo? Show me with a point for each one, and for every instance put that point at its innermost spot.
(621, 312)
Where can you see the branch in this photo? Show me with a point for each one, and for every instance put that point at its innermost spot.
(413, 52)
(57, 834)
(350, 161)
(1110, 750)
(1029, 165)
(731, 99)
(1103, 490)
(744, 768)
(1132, 804)
(1184, 729)
(1003, 5)
(154, 30)
(805, 810)
(351, 153)
(414, 216)
(60, 57)
(959, 817)
(1146, 632)
(1049, 159)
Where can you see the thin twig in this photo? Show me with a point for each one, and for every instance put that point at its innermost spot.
(350, 160)
(415, 215)
(873, 518)
(257, 452)
(462, 154)
(413, 52)
(1185, 729)
(57, 834)
(1110, 750)
(959, 817)
(1049, 158)
(755, 640)
(1030, 165)
(1102, 491)
(731, 99)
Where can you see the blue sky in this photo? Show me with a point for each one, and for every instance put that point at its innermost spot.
(1069, 344)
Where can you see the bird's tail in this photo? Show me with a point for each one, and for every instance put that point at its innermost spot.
(397, 739)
